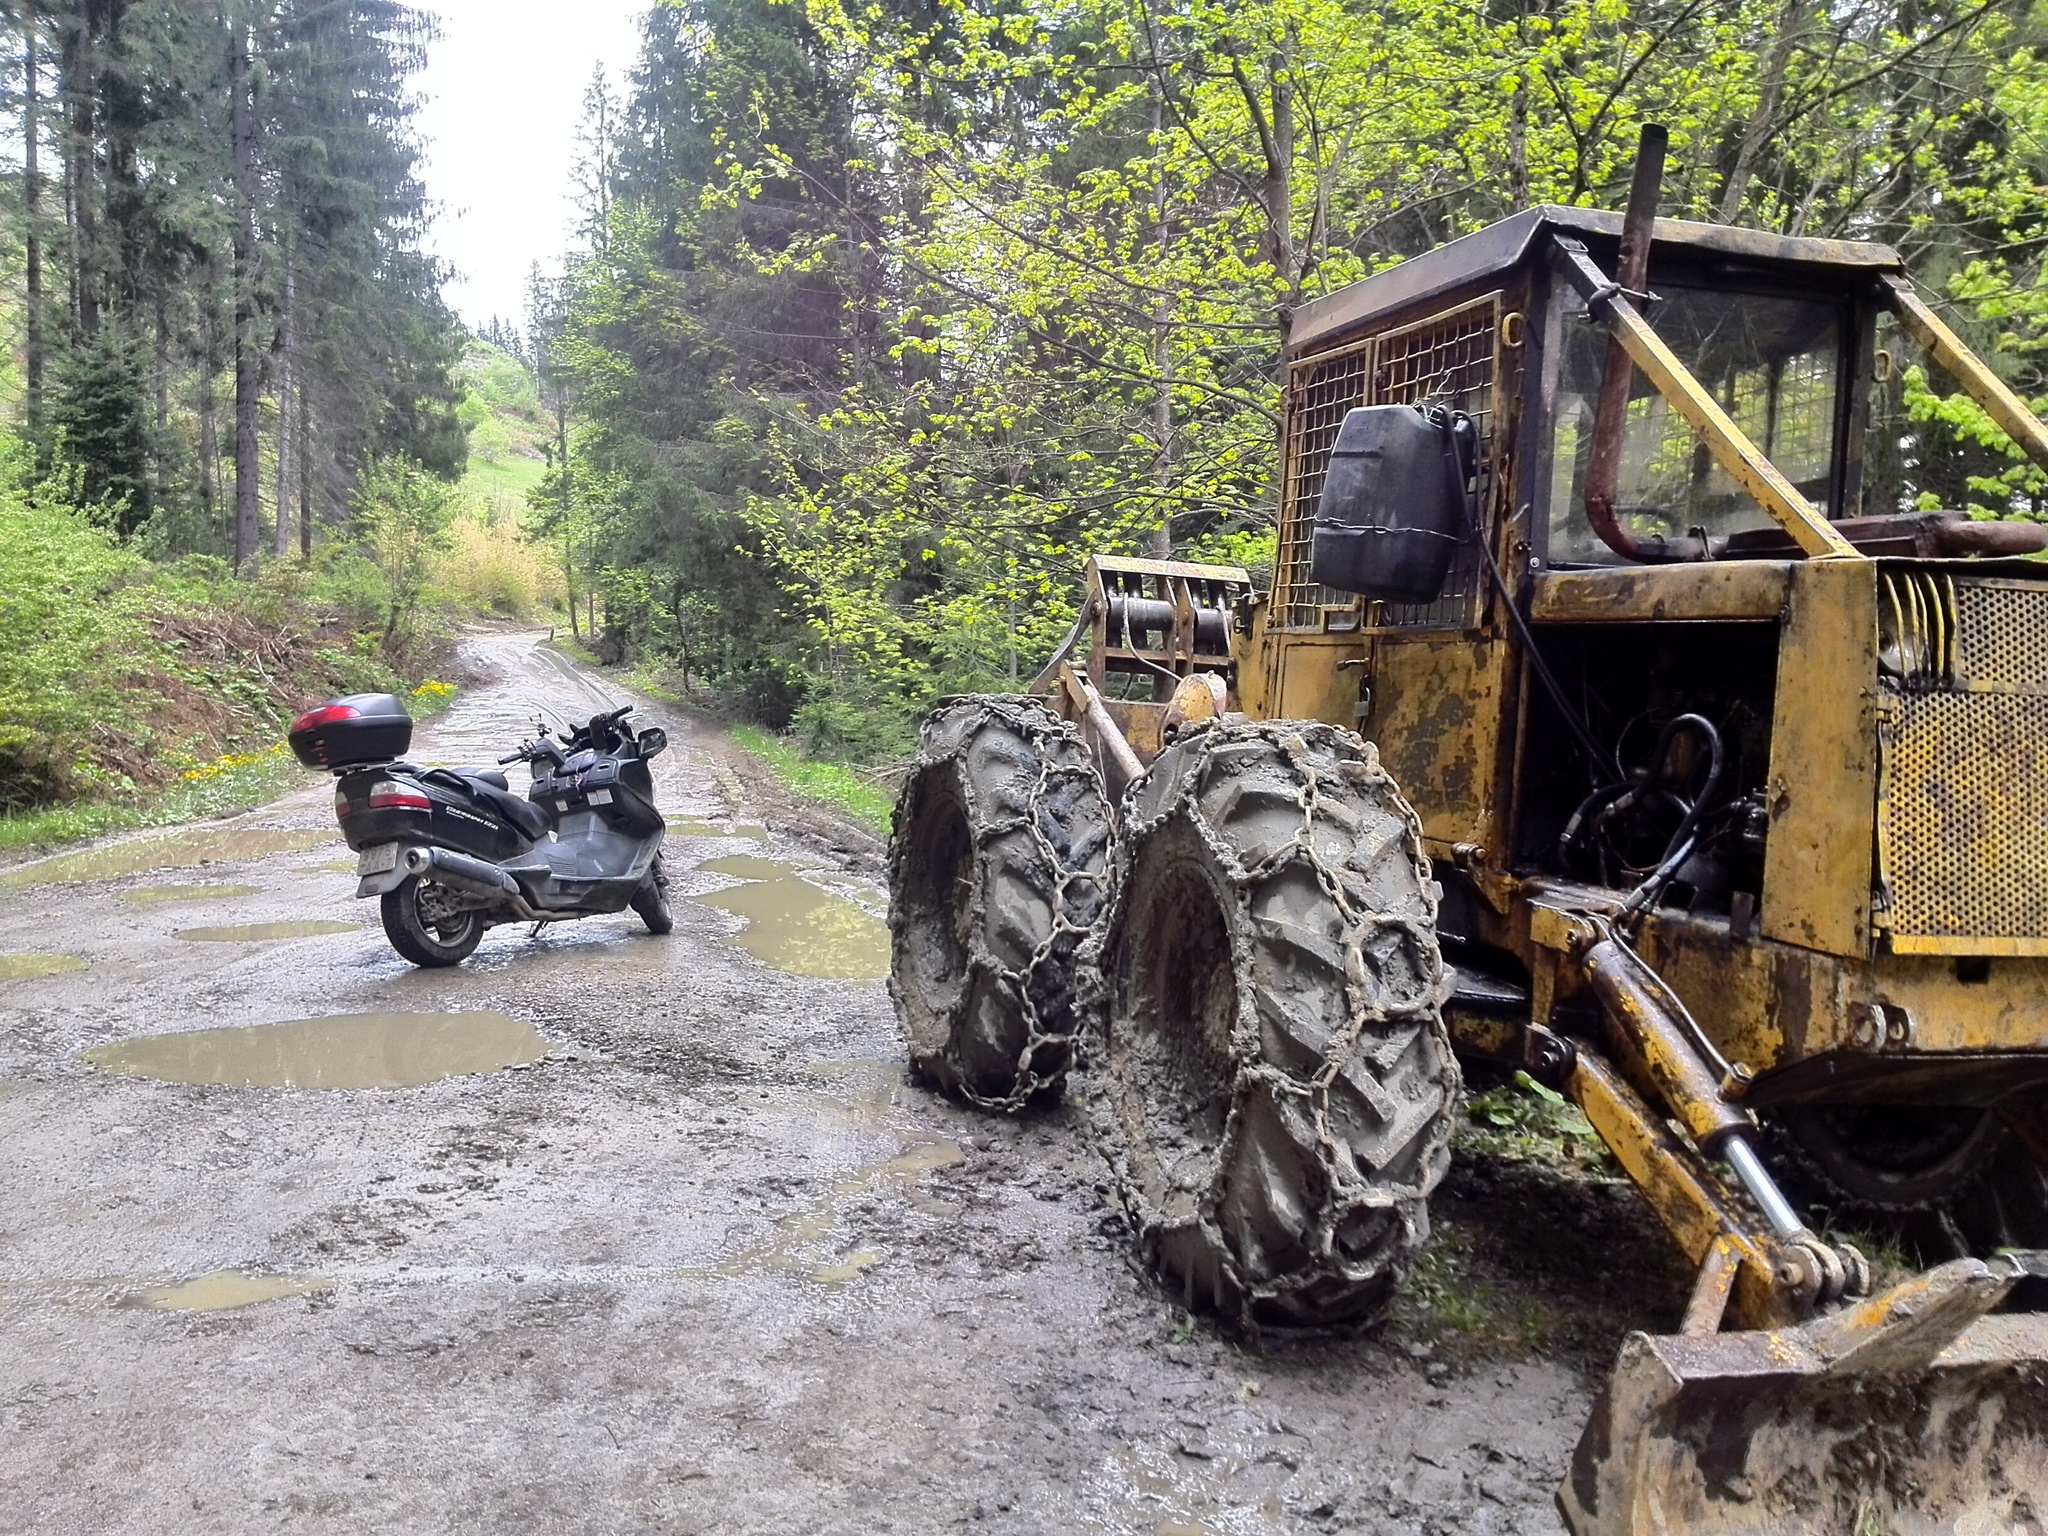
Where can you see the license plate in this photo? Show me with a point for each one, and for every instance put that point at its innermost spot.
(600, 797)
(379, 860)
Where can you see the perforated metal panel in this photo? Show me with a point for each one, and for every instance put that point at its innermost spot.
(1450, 359)
(1963, 808)
(1966, 842)
(2002, 634)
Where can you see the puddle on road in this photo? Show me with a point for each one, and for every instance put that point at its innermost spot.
(795, 926)
(263, 932)
(1156, 1482)
(863, 1093)
(704, 826)
(351, 1050)
(149, 895)
(241, 933)
(200, 845)
(27, 965)
(227, 1289)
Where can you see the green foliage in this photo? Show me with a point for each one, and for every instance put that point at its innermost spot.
(1523, 1121)
(100, 415)
(70, 626)
(251, 780)
(887, 316)
(151, 292)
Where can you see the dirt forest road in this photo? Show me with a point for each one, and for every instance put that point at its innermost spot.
(656, 1236)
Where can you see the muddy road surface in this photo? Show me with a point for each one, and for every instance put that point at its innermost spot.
(612, 1233)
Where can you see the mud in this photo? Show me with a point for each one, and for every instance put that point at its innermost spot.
(706, 1265)
(795, 924)
(363, 1050)
(258, 933)
(27, 965)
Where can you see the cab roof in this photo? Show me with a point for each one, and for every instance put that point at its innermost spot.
(1500, 247)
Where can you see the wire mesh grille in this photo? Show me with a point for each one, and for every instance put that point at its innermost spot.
(1966, 800)
(1320, 391)
(2002, 635)
(1448, 359)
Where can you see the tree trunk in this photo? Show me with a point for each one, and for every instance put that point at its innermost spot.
(248, 364)
(1763, 121)
(32, 207)
(74, 56)
(209, 436)
(568, 504)
(303, 418)
(286, 373)
(675, 609)
(1162, 352)
(1280, 170)
(161, 360)
(1518, 146)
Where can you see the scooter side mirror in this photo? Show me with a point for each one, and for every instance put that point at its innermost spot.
(652, 740)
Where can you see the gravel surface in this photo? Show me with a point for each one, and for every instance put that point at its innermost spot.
(709, 1264)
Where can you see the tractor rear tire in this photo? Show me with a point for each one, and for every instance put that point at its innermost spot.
(1276, 1086)
(998, 864)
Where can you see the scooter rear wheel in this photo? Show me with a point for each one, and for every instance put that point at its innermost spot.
(426, 928)
(651, 900)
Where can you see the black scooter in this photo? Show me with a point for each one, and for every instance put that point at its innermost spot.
(451, 853)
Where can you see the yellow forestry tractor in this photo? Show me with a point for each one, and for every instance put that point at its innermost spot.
(1605, 719)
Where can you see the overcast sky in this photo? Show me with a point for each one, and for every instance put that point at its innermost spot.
(503, 90)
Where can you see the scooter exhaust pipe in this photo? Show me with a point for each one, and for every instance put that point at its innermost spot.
(459, 872)
(473, 877)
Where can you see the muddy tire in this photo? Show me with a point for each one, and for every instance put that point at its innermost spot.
(1944, 1183)
(1276, 1086)
(425, 927)
(997, 862)
(651, 900)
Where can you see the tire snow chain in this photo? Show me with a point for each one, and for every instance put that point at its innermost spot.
(1365, 1011)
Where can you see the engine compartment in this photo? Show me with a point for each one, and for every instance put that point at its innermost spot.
(1650, 760)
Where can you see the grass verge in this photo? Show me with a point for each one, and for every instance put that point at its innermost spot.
(828, 783)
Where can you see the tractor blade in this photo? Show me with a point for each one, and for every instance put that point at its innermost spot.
(1911, 1412)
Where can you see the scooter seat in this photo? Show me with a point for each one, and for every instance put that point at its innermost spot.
(491, 776)
(523, 814)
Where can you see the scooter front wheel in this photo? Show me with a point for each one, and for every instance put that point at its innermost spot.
(651, 900)
(426, 927)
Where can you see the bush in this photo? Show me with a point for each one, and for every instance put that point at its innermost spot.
(838, 725)
(403, 514)
(490, 567)
(70, 626)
